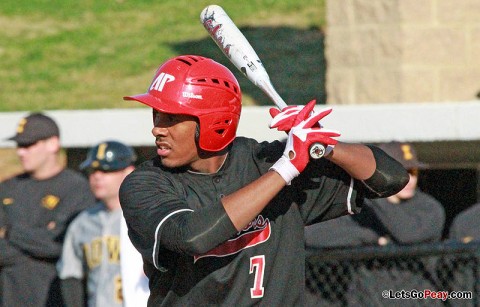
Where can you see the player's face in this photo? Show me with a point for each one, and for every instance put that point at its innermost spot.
(34, 156)
(409, 190)
(175, 139)
(105, 185)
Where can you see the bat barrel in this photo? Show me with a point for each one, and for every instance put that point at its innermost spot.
(238, 50)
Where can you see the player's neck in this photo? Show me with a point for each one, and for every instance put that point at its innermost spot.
(112, 204)
(48, 170)
(210, 165)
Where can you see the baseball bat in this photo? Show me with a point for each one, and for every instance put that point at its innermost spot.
(240, 52)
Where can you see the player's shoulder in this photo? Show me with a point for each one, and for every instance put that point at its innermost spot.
(245, 145)
(153, 166)
(15, 179)
(470, 213)
(68, 172)
(150, 172)
(70, 176)
(422, 197)
(88, 214)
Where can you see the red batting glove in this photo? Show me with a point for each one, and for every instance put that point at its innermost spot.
(292, 115)
(296, 154)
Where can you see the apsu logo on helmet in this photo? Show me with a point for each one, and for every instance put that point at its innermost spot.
(159, 83)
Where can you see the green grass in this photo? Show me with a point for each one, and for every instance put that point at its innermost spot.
(71, 54)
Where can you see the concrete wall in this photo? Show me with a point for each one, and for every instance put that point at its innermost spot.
(402, 51)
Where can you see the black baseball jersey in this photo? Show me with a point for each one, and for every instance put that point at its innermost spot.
(37, 213)
(465, 226)
(415, 220)
(261, 264)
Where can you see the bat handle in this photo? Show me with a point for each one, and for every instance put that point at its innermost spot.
(267, 87)
(317, 151)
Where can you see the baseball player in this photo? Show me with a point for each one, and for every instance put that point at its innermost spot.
(35, 210)
(90, 268)
(464, 226)
(219, 219)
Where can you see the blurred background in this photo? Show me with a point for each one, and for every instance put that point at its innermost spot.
(403, 70)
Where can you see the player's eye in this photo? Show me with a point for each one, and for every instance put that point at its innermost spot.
(165, 120)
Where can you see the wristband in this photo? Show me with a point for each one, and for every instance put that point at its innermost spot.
(285, 169)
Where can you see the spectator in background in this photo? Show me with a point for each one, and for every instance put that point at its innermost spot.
(36, 208)
(466, 225)
(408, 217)
(411, 215)
(90, 266)
(460, 274)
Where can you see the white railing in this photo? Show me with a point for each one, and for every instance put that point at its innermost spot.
(414, 122)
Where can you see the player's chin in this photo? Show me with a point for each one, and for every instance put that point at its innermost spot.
(406, 194)
(170, 162)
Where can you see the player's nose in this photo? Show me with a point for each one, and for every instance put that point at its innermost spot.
(159, 131)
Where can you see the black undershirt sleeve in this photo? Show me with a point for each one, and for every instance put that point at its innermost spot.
(197, 232)
(390, 176)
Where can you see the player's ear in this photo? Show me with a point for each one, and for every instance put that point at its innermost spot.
(53, 144)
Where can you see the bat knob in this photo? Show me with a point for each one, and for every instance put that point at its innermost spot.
(317, 151)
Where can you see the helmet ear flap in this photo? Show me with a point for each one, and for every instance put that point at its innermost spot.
(217, 130)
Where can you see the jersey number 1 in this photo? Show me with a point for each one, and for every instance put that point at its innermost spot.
(257, 265)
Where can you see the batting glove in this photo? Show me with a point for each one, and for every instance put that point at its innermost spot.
(291, 116)
(296, 154)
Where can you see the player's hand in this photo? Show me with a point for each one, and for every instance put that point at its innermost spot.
(291, 116)
(301, 136)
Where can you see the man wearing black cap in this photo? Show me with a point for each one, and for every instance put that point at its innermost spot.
(410, 216)
(36, 208)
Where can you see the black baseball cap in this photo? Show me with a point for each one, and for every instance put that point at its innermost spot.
(109, 156)
(404, 153)
(33, 128)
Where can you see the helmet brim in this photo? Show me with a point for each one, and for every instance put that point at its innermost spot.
(169, 107)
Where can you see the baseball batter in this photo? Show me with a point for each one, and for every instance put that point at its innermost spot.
(219, 219)
(91, 251)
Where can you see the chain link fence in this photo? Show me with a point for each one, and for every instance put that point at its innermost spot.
(414, 275)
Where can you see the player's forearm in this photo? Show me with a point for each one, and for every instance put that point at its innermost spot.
(355, 159)
(245, 204)
(34, 241)
(196, 232)
(381, 174)
(9, 254)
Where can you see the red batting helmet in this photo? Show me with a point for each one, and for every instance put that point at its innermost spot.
(198, 86)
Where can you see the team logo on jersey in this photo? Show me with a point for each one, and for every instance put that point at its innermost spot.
(8, 201)
(256, 232)
(159, 83)
(50, 202)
